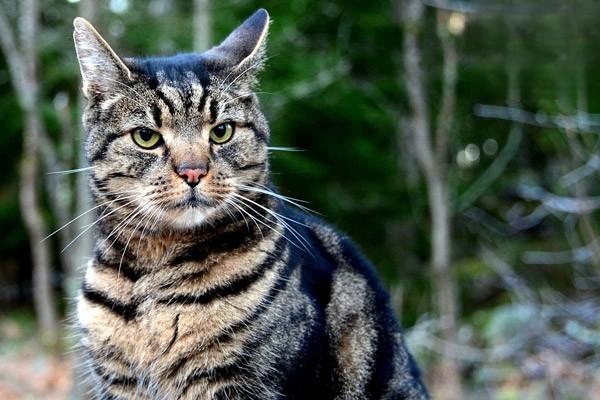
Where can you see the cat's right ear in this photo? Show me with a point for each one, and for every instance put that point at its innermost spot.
(243, 51)
(101, 68)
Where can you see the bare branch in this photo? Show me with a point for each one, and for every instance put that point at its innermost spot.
(515, 135)
(576, 175)
(581, 123)
(11, 54)
(315, 84)
(512, 281)
(572, 205)
(445, 118)
(449, 381)
(499, 7)
(413, 13)
(580, 255)
(202, 25)
(485, 180)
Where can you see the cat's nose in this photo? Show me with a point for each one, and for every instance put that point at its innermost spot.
(191, 174)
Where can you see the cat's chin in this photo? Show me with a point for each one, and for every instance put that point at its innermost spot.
(189, 217)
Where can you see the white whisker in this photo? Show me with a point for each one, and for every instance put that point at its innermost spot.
(84, 213)
(94, 223)
(69, 171)
(291, 149)
(286, 199)
(281, 218)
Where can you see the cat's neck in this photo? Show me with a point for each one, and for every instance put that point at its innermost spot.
(143, 247)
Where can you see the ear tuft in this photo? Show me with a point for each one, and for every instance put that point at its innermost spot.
(101, 68)
(245, 47)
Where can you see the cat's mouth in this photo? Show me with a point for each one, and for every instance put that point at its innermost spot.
(194, 200)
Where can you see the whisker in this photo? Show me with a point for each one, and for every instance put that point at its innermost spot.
(272, 192)
(89, 226)
(151, 217)
(231, 202)
(291, 149)
(280, 218)
(129, 240)
(138, 102)
(94, 223)
(69, 171)
(121, 226)
(82, 214)
(270, 211)
(252, 218)
(286, 199)
(294, 233)
(231, 215)
(251, 67)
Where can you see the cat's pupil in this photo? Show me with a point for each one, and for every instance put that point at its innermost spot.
(145, 134)
(220, 130)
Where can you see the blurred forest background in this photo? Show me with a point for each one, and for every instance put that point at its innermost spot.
(456, 141)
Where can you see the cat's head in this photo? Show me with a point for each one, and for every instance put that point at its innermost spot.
(175, 139)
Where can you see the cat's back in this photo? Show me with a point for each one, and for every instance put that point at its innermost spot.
(364, 342)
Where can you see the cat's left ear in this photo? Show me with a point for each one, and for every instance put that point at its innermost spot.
(101, 68)
(244, 50)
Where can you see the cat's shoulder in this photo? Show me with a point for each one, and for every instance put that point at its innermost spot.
(331, 251)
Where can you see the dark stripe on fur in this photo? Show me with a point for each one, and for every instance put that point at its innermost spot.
(247, 323)
(241, 284)
(101, 152)
(167, 102)
(259, 134)
(251, 166)
(175, 334)
(125, 311)
(121, 268)
(113, 175)
(213, 111)
(221, 243)
(387, 345)
(157, 115)
(108, 352)
(241, 326)
(115, 379)
(220, 373)
(98, 184)
(226, 393)
(203, 99)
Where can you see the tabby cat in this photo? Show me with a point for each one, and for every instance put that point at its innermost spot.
(204, 284)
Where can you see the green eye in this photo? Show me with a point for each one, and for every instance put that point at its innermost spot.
(222, 132)
(146, 138)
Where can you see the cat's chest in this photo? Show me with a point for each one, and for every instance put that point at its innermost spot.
(175, 320)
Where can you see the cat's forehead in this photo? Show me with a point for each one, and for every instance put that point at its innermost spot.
(188, 77)
(174, 70)
(187, 85)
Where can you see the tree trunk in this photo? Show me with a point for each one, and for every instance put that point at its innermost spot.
(432, 162)
(21, 57)
(202, 25)
(447, 384)
(30, 176)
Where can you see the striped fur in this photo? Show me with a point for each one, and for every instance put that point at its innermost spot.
(219, 291)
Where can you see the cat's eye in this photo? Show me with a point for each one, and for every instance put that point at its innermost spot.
(222, 132)
(146, 138)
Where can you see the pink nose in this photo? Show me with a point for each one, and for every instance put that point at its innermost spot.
(191, 175)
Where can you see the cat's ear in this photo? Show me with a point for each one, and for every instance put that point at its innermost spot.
(244, 49)
(101, 68)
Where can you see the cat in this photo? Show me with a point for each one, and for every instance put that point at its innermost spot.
(205, 282)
